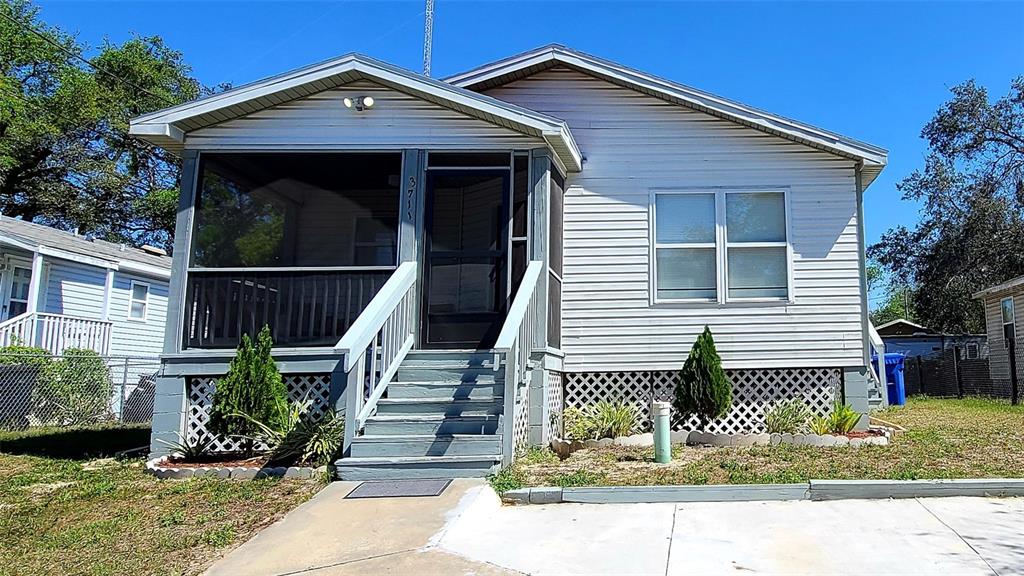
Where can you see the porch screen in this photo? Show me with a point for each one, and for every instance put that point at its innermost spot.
(269, 210)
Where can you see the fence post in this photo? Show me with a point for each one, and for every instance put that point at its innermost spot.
(920, 375)
(1014, 379)
(956, 370)
(124, 388)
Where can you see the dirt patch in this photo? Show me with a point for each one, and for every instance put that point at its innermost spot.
(44, 489)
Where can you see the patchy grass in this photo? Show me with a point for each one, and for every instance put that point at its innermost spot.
(945, 438)
(88, 513)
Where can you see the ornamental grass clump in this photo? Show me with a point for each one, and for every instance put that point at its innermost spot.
(703, 391)
(787, 416)
(613, 419)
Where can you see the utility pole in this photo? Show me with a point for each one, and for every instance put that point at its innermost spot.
(428, 36)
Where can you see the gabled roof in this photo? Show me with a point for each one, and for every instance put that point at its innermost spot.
(902, 326)
(167, 128)
(1009, 284)
(533, 61)
(58, 243)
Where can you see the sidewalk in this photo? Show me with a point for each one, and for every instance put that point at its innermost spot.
(468, 531)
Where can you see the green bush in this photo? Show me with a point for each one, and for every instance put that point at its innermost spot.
(577, 424)
(613, 419)
(72, 389)
(787, 416)
(252, 395)
(820, 425)
(703, 390)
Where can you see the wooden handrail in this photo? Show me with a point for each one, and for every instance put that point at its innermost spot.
(370, 321)
(520, 305)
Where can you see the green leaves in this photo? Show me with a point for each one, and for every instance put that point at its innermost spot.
(65, 155)
(703, 390)
(972, 219)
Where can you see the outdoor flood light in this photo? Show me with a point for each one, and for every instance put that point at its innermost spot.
(360, 103)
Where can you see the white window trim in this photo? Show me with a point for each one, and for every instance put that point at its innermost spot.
(968, 347)
(720, 245)
(1013, 317)
(132, 300)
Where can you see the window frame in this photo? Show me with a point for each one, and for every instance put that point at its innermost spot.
(1013, 319)
(721, 246)
(968, 354)
(132, 300)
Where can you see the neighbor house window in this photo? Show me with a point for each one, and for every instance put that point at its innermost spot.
(972, 351)
(138, 304)
(1009, 326)
(720, 246)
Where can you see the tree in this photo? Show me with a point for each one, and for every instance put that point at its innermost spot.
(65, 155)
(251, 392)
(972, 220)
(703, 390)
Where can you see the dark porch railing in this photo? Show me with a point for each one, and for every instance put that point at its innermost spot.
(302, 307)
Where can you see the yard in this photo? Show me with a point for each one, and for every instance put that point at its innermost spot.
(945, 438)
(66, 506)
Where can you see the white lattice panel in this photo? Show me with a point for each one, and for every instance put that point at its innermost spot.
(521, 420)
(553, 392)
(753, 391)
(314, 388)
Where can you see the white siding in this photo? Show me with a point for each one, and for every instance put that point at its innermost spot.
(132, 337)
(321, 121)
(632, 143)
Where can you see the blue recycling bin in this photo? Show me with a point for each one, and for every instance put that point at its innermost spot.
(897, 392)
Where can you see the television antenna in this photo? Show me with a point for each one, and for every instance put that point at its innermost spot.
(428, 36)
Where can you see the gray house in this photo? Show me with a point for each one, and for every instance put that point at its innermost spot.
(452, 262)
(61, 290)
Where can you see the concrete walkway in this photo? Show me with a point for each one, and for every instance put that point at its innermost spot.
(468, 531)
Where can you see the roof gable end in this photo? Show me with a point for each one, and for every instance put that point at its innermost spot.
(872, 158)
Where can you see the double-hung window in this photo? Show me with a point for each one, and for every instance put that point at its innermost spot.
(720, 246)
(138, 302)
(1009, 324)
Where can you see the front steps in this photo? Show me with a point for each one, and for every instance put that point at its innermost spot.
(440, 418)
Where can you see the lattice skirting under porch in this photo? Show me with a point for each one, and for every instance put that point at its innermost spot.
(312, 388)
(554, 393)
(753, 391)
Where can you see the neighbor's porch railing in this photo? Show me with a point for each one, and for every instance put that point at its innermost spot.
(520, 336)
(56, 332)
(375, 346)
(877, 348)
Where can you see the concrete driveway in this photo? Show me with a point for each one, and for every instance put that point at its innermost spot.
(468, 531)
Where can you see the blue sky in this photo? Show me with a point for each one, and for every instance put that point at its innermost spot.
(872, 71)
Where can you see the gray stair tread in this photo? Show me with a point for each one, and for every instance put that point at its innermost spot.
(430, 417)
(385, 460)
(439, 399)
(425, 437)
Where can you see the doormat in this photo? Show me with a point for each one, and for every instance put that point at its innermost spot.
(399, 488)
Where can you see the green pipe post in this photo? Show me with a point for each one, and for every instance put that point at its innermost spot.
(662, 444)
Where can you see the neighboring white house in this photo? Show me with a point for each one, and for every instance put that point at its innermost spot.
(555, 222)
(61, 290)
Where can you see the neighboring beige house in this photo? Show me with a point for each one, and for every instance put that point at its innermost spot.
(1004, 304)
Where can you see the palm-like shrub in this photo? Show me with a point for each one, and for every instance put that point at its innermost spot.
(703, 390)
(843, 418)
(251, 395)
(613, 419)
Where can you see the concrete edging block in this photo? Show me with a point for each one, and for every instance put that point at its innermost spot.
(712, 493)
(880, 489)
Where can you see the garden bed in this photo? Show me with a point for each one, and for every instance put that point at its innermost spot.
(230, 466)
(944, 438)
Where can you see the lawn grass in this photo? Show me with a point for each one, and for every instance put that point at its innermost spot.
(945, 438)
(67, 507)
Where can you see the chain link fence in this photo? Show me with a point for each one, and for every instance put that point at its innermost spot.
(74, 389)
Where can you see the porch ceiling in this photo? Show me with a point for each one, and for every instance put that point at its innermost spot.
(167, 128)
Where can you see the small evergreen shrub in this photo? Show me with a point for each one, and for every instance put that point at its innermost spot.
(703, 390)
(787, 416)
(252, 396)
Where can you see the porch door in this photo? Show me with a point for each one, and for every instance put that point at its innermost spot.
(465, 262)
(16, 296)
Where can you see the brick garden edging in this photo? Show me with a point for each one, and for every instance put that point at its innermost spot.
(160, 468)
(813, 490)
(694, 438)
